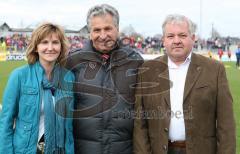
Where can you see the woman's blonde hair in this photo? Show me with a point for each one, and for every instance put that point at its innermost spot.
(39, 34)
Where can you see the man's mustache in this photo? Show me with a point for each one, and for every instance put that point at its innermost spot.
(177, 46)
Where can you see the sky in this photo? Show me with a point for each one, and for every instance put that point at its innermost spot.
(145, 16)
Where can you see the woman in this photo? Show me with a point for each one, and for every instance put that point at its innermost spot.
(37, 96)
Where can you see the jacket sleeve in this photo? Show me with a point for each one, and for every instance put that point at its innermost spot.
(225, 119)
(141, 142)
(9, 113)
(69, 142)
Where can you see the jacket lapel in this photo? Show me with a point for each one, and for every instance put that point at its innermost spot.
(193, 73)
(162, 79)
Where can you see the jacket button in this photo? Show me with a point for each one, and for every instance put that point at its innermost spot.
(164, 147)
(166, 129)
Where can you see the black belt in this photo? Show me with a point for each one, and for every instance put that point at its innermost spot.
(40, 145)
(40, 148)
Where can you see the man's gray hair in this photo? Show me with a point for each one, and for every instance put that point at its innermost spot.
(176, 18)
(100, 10)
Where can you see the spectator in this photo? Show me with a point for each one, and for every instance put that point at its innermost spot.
(238, 56)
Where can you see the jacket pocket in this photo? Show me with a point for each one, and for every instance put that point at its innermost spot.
(29, 95)
(21, 138)
(204, 86)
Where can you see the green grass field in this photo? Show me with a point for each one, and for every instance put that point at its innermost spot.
(5, 70)
(233, 75)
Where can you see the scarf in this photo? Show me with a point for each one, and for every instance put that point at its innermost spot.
(53, 126)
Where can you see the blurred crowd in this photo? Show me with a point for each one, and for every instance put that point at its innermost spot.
(145, 45)
(18, 42)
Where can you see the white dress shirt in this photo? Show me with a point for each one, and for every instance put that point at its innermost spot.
(41, 122)
(177, 74)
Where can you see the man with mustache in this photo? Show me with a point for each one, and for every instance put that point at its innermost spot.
(105, 74)
(191, 101)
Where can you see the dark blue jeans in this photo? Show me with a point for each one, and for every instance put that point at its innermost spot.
(238, 60)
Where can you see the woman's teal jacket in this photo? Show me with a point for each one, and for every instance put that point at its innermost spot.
(19, 119)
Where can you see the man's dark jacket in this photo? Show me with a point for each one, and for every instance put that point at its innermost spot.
(104, 99)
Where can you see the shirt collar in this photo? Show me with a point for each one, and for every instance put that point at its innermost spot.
(171, 64)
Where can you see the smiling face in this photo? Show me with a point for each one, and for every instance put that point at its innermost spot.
(103, 33)
(178, 41)
(49, 49)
